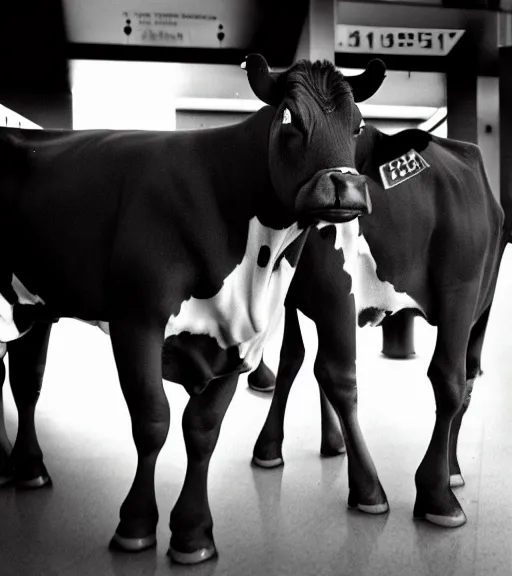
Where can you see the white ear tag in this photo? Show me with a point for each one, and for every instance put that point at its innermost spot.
(287, 116)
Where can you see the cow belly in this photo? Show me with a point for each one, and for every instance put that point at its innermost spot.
(373, 297)
(249, 305)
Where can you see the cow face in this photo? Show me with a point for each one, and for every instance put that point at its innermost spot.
(313, 136)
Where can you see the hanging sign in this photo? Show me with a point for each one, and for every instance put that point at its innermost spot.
(403, 41)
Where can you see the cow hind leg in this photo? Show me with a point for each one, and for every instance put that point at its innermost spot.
(6, 474)
(27, 363)
(191, 520)
(138, 355)
(262, 379)
(435, 500)
(473, 370)
(335, 371)
(268, 448)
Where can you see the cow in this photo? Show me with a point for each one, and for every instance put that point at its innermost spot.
(432, 246)
(181, 246)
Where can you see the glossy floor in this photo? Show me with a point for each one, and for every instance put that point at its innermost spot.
(288, 521)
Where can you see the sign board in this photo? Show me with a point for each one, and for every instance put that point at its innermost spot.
(397, 41)
(174, 23)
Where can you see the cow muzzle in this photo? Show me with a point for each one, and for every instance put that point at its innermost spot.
(334, 195)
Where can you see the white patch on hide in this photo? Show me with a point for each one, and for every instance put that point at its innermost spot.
(250, 303)
(8, 329)
(368, 290)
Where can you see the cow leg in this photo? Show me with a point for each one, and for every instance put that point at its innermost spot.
(398, 335)
(262, 379)
(138, 355)
(5, 444)
(191, 520)
(332, 443)
(27, 363)
(268, 448)
(473, 370)
(435, 500)
(335, 371)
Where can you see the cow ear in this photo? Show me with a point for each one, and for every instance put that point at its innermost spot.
(264, 83)
(366, 84)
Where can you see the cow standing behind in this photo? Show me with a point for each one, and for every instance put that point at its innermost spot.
(181, 246)
(433, 244)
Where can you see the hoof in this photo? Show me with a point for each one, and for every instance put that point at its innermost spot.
(34, 483)
(456, 481)
(6, 480)
(264, 389)
(274, 463)
(196, 557)
(444, 521)
(371, 508)
(333, 452)
(132, 544)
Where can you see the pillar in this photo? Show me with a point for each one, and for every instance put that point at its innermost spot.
(461, 92)
(317, 40)
(505, 95)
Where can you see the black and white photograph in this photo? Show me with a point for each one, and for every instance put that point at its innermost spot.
(256, 288)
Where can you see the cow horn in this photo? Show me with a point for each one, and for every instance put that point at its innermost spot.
(366, 84)
(263, 82)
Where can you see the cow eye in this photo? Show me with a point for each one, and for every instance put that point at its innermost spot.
(359, 130)
(287, 116)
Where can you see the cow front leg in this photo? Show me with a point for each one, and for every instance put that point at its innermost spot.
(267, 451)
(435, 501)
(138, 355)
(27, 363)
(473, 370)
(6, 474)
(262, 379)
(191, 520)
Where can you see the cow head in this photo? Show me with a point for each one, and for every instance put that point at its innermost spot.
(313, 136)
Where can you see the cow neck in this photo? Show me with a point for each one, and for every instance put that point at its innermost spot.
(371, 140)
(256, 195)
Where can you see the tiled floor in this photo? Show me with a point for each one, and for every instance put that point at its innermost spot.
(288, 521)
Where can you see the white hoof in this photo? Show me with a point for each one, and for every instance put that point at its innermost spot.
(34, 483)
(456, 481)
(371, 508)
(192, 557)
(446, 521)
(275, 463)
(133, 544)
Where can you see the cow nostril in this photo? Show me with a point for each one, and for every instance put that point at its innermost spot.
(337, 201)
